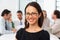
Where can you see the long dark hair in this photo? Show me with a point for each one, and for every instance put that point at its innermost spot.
(40, 20)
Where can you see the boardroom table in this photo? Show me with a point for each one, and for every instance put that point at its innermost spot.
(7, 37)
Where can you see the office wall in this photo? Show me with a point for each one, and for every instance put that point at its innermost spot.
(41, 3)
(9, 4)
(49, 6)
(13, 5)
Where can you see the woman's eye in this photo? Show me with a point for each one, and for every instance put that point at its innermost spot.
(27, 14)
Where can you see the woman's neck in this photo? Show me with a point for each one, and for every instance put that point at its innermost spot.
(33, 28)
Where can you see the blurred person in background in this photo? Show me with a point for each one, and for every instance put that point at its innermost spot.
(19, 23)
(46, 22)
(10, 24)
(4, 29)
(56, 26)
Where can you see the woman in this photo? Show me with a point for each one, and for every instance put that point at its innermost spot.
(33, 23)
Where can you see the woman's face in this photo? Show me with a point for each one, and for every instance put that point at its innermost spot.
(32, 15)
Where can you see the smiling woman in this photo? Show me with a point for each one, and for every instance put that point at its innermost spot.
(33, 24)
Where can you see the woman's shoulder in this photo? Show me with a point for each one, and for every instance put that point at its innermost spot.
(20, 30)
(19, 33)
(50, 36)
(45, 33)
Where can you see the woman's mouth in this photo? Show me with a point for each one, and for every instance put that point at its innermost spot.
(31, 20)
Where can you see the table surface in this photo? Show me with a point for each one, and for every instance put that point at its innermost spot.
(12, 37)
(7, 37)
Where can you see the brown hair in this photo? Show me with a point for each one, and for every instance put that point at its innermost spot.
(40, 20)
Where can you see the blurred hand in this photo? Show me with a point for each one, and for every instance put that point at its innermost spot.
(14, 30)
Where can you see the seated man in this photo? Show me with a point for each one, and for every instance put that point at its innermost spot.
(3, 22)
(56, 26)
(19, 23)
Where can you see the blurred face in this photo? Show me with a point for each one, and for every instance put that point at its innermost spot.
(19, 15)
(32, 15)
(8, 16)
(53, 17)
(44, 14)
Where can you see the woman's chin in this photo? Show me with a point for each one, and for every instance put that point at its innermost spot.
(31, 23)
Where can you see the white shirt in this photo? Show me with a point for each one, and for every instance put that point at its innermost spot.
(56, 28)
(46, 25)
(17, 24)
(2, 27)
(9, 24)
(46, 22)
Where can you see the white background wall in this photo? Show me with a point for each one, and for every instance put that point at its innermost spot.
(49, 6)
(13, 5)
(9, 4)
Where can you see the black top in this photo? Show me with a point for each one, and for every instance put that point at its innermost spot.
(22, 34)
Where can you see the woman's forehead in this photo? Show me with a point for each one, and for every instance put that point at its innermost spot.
(31, 9)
